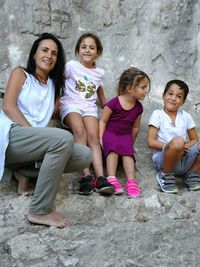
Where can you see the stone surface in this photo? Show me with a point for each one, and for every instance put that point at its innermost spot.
(156, 230)
(162, 38)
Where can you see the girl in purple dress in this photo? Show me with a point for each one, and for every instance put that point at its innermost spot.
(119, 126)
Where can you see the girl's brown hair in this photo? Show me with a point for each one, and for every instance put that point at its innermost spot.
(130, 77)
(89, 35)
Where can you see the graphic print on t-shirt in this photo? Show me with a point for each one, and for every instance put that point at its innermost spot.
(85, 87)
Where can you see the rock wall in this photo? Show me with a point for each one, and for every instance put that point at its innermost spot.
(160, 37)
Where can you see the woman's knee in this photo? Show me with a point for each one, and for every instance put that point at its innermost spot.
(83, 154)
(81, 158)
(63, 139)
(67, 139)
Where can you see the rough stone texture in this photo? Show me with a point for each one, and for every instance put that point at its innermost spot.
(156, 230)
(162, 38)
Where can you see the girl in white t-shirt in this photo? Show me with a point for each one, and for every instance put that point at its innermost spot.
(79, 111)
(173, 136)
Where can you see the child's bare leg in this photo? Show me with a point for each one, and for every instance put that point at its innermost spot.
(111, 163)
(23, 187)
(132, 186)
(75, 122)
(92, 129)
(129, 167)
(97, 161)
(173, 152)
(111, 167)
(54, 218)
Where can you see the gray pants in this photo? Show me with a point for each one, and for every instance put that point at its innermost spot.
(56, 148)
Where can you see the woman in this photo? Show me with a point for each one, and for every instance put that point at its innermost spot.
(28, 105)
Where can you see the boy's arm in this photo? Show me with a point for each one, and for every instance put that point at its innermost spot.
(136, 128)
(193, 138)
(106, 113)
(152, 138)
(101, 96)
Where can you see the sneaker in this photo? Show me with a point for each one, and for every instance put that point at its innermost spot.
(167, 182)
(132, 188)
(86, 187)
(103, 186)
(192, 180)
(118, 187)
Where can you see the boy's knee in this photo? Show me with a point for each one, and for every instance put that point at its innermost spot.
(177, 142)
(178, 139)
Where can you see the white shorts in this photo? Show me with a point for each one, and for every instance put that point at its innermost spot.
(81, 107)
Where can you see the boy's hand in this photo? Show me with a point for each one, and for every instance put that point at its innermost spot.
(186, 149)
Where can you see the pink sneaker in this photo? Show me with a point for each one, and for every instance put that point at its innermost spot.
(132, 188)
(118, 187)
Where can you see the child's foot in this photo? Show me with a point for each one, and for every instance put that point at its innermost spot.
(167, 182)
(23, 187)
(54, 218)
(192, 180)
(103, 186)
(118, 187)
(133, 189)
(86, 186)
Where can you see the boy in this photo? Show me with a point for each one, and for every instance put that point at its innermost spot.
(173, 136)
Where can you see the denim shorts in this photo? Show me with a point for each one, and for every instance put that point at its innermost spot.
(182, 166)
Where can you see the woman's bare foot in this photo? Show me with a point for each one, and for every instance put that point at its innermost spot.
(54, 218)
(23, 187)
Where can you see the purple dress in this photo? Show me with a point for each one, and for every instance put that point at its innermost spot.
(117, 136)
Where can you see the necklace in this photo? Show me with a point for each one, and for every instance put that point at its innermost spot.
(41, 79)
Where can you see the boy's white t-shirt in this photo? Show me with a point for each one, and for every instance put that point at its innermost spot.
(81, 83)
(166, 129)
